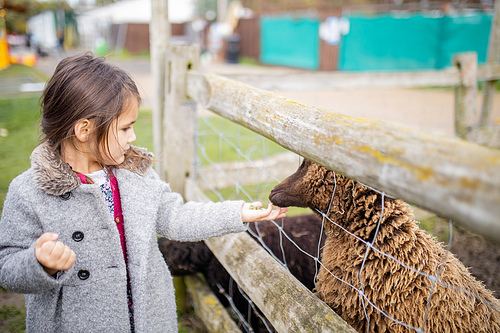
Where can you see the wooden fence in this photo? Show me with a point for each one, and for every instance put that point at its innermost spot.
(452, 177)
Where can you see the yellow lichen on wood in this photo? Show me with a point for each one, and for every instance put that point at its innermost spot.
(208, 307)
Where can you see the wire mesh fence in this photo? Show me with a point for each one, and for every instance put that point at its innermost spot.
(235, 163)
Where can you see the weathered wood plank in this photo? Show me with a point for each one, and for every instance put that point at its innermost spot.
(343, 80)
(454, 178)
(488, 72)
(449, 77)
(208, 307)
(286, 303)
(179, 120)
(159, 35)
(466, 117)
(223, 175)
(493, 55)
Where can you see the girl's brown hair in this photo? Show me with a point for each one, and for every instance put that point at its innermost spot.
(85, 87)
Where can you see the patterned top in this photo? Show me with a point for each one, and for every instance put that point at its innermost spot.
(102, 178)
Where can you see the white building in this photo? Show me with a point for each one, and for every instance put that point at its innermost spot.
(125, 24)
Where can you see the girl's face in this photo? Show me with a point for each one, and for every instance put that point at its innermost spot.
(121, 133)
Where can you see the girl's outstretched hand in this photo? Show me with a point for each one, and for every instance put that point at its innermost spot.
(252, 212)
(54, 256)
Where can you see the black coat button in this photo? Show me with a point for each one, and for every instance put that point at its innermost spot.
(66, 196)
(77, 236)
(83, 274)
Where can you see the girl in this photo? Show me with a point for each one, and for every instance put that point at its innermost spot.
(78, 233)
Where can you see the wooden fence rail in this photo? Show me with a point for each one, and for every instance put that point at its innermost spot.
(463, 77)
(449, 77)
(207, 305)
(454, 178)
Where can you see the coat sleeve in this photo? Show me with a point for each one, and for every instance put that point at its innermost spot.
(194, 221)
(20, 271)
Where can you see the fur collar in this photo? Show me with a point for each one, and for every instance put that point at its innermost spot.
(54, 176)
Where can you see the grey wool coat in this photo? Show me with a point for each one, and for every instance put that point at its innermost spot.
(92, 296)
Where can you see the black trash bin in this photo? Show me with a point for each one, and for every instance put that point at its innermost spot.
(233, 48)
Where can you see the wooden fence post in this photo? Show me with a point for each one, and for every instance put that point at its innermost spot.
(492, 59)
(159, 31)
(179, 121)
(466, 95)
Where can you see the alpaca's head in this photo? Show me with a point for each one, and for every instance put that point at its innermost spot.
(346, 202)
(313, 185)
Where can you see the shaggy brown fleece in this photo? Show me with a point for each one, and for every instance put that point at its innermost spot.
(400, 292)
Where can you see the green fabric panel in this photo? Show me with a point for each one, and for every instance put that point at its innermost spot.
(463, 34)
(289, 41)
(413, 42)
(388, 43)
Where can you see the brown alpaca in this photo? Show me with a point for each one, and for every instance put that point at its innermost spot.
(459, 302)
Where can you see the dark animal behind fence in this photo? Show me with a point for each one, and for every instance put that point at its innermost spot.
(459, 302)
(185, 258)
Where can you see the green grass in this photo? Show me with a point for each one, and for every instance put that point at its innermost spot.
(20, 117)
(243, 140)
(125, 55)
(143, 130)
(238, 139)
(248, 61)
(437, 227)
(12, 319)
(20, 70)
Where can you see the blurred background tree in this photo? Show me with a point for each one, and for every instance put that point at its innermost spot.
(19, 11)
(204, 8)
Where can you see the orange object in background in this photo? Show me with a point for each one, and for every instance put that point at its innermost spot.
(27, 59)
(4, 47)
(4, 54)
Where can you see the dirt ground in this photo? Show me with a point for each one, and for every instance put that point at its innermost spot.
(482, 256)
(7, 298)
